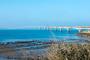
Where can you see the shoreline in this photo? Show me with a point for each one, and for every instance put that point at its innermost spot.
(12, 53)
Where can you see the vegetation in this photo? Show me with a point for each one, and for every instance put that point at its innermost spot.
(62, 51)
(69, 52)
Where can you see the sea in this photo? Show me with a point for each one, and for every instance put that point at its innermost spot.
(13, 35)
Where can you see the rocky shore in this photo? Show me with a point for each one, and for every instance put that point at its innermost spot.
(38, 50)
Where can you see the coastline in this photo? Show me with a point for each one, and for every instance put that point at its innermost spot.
(8, 52)
(24, 49)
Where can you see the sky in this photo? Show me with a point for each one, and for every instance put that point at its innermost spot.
(25, 13)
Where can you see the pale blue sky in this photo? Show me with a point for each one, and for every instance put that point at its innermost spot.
(23, 13)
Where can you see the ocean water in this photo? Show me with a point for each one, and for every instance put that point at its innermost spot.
(42, 35)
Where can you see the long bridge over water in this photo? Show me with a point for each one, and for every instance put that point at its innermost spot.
(60, 28)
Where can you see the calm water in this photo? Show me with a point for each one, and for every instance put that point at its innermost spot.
(42, 35)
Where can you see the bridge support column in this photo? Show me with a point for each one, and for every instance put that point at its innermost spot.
(69, 29)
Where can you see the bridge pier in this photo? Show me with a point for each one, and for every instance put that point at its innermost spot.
(67, 29)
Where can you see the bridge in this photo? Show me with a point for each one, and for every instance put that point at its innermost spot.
(67, 28)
